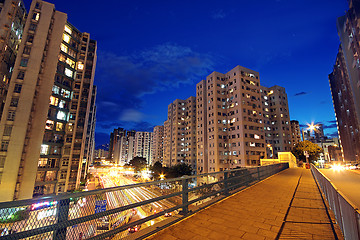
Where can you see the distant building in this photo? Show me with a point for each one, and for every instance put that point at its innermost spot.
(158, 145)
(47, 109)
(125, 145)
(295, 132)
(180, 133)
(319, 132)
(142, 147)
(276, 120)
(344, 83)
(115, 137)
(101, 153)
(12, 22)
(332, 151)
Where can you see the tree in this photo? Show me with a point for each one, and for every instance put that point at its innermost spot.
(138, 163)
(157, 169)
(312, 149)
(179, 170)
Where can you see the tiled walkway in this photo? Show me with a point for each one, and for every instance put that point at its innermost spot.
(267, 210)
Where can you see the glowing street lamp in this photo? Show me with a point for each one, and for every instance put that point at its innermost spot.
(162, 176)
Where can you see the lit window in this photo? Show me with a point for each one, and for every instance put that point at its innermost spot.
(49, 124)
(80, 66)
(62, 58)
(59, 126)
(64, 48)
(256, 136)
(56, 89)
(36, 16)
(66, 38)
(70, 62)
(70, 127)
(61, 115)
(68, 29)
(233, 120)
(68, 72)
(54, 101)
(65, 93)
(281, 115)
(62, 104)
(252, 144)
(44, 150)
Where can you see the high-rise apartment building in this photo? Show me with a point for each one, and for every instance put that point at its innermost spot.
(230, 128)
(345, 83)
(158, 145)
(345, 110)
(180, 133)
(125, 145)
(142, 148)
(295, 132)
(115, 137)
(46, 114)
(88, 154)
(12, 22)
(276, 120)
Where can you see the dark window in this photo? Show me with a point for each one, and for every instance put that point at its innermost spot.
(30, 38)
(17, 88)
(21, 75)
(14, 102)
(24, 62)
(11, 115)
(32, 27)
(27, 50)
(4, 146)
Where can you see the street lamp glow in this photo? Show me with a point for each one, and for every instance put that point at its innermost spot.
(162, 176)
(312, 127)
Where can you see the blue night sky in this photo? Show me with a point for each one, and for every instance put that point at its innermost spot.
(152, 52)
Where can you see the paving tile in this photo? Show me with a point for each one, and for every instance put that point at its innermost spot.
(258, 212)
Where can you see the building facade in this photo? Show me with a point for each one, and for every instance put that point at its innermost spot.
(143, 145)
(345, 83)
(276, 120)
(158, 145)
(180, 133)
(295, 132)
(43, 132)
(345, 111)
(12, 22)
(230, 129)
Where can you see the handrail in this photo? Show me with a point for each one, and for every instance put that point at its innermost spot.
(346, 213)
(66, 219)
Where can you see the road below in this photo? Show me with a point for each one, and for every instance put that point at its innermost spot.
(347, 182)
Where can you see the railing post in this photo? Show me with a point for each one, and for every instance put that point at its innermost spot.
(185, 196)
(62, 216)
(226, 187)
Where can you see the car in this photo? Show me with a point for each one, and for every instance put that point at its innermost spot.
(134, 229)
(168, 214)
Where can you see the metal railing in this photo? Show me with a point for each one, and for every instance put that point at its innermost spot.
(108, 213)
(346, 214)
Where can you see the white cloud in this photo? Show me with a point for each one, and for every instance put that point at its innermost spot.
(131, 115)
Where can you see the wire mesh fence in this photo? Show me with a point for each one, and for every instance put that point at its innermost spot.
(118, 212)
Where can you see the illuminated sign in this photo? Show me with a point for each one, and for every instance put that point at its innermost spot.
(43, 204)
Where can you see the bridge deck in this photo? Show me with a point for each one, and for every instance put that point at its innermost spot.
(285, 206)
